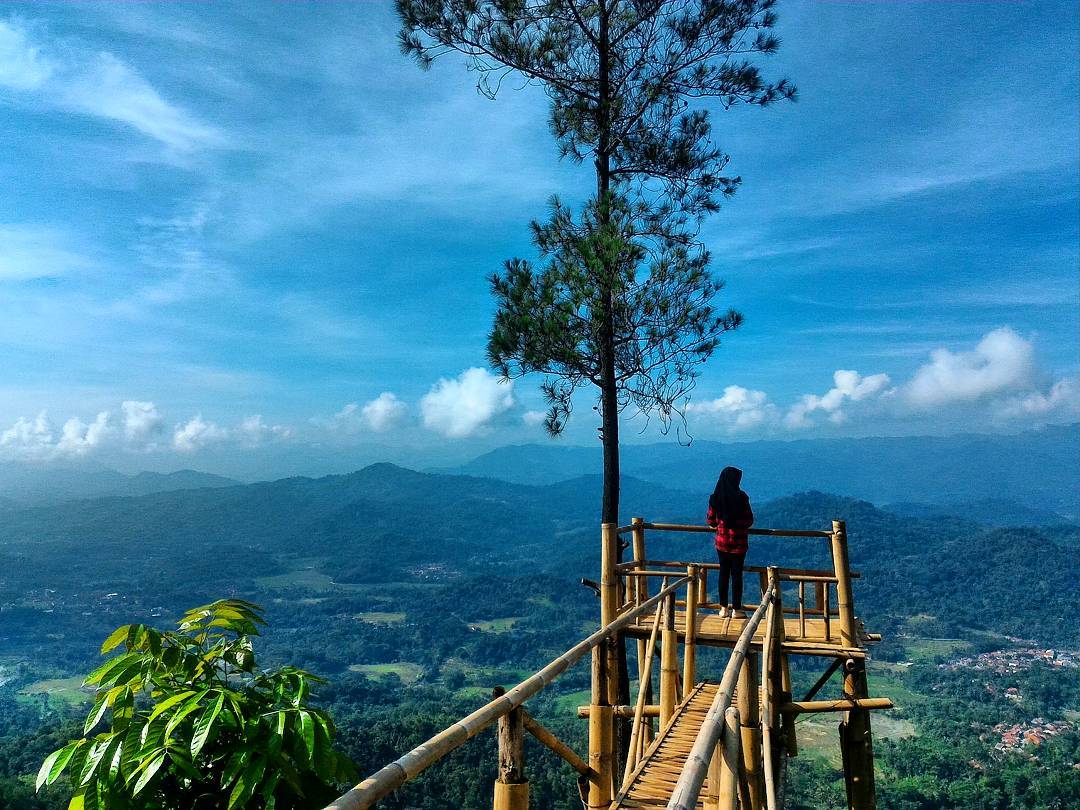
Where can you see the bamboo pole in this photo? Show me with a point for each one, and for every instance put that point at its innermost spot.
(511, 786)
(802, 610)
(688, 787)
(651, 710)
(725, 767)
(750, 715)
(609, 582)
(697, 528)
(771, 681)
(839, 705)
(639, 709)
(825, 614)
(638, 541)
(547, 738)
(601, 754)
(690, 630)
(857, 741)
(669, 664)
(392, 776)
(843, 584)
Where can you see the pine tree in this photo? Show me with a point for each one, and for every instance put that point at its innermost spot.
(625, 301)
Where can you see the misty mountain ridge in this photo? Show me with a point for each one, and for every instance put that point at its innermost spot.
(25, 484)
(1039, 469)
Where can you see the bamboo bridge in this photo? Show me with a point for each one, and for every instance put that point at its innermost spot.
(710, 744)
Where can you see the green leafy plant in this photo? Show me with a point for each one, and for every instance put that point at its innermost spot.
(183, 719)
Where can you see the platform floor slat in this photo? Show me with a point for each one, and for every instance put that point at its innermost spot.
(651, 785)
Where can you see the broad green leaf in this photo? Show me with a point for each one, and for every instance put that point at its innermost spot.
(307, 732)
(115, 638)
(168, 703)
(93, 759)
(205, 724)
(77, 802)
(247, 783)
(150, 768)
(181, 714)
(236, 764)
(55, 763)
(109, 667)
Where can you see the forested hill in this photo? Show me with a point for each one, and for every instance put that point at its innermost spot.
(27, 484)
(1038, 468)
(387, 525)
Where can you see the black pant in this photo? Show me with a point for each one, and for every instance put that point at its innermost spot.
(731, 566)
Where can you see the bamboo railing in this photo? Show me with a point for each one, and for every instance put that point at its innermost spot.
(397, 773)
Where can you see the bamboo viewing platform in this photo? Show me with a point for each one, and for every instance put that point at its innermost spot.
(684, 742)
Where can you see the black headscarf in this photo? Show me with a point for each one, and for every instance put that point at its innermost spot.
(728, 502)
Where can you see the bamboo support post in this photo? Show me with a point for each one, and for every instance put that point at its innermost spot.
(772, 683)
(669, 664)
(606, 676)
(856, 740)
(729, 770)
(825, 615)
(843, 584)
(638, 544)
(639, 709)
(724, 769)
(748, 699)
(511, 786)
(690, 632)
(802, 610)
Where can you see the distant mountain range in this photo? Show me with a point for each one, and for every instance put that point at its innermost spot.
(23, 484)
(386, 524)
(1037, 469)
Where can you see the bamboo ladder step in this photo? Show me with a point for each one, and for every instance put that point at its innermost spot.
(653, 780)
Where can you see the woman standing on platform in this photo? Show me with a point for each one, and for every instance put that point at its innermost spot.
(730, 514)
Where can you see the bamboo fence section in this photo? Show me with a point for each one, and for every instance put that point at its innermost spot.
(391, 777)
(688, 788)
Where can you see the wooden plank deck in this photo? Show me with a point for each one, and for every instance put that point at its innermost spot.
(717, 632)
(655, 777)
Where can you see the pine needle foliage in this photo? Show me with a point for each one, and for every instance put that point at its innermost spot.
(625, 301)
(549, 321)
(184, 719)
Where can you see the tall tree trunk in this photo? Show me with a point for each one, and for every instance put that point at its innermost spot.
(609, 396)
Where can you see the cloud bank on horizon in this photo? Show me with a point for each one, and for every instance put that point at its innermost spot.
(998, 384)
(234, 233)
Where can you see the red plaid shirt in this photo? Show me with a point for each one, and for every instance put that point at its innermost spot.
(732, 539)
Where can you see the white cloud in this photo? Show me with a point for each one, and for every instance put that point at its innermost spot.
(78, 438)
(848, 386)
(28, 439)
(96, 84)
(533, 418)
(22, 66)
(141, 420)
(197, 433)
(383, 412)
(1002, 361)
(1063, 399)
(738, 409)
(460, 407)
(253, 431)
(28, 252)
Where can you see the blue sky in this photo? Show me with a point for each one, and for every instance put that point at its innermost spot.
(255, 238)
